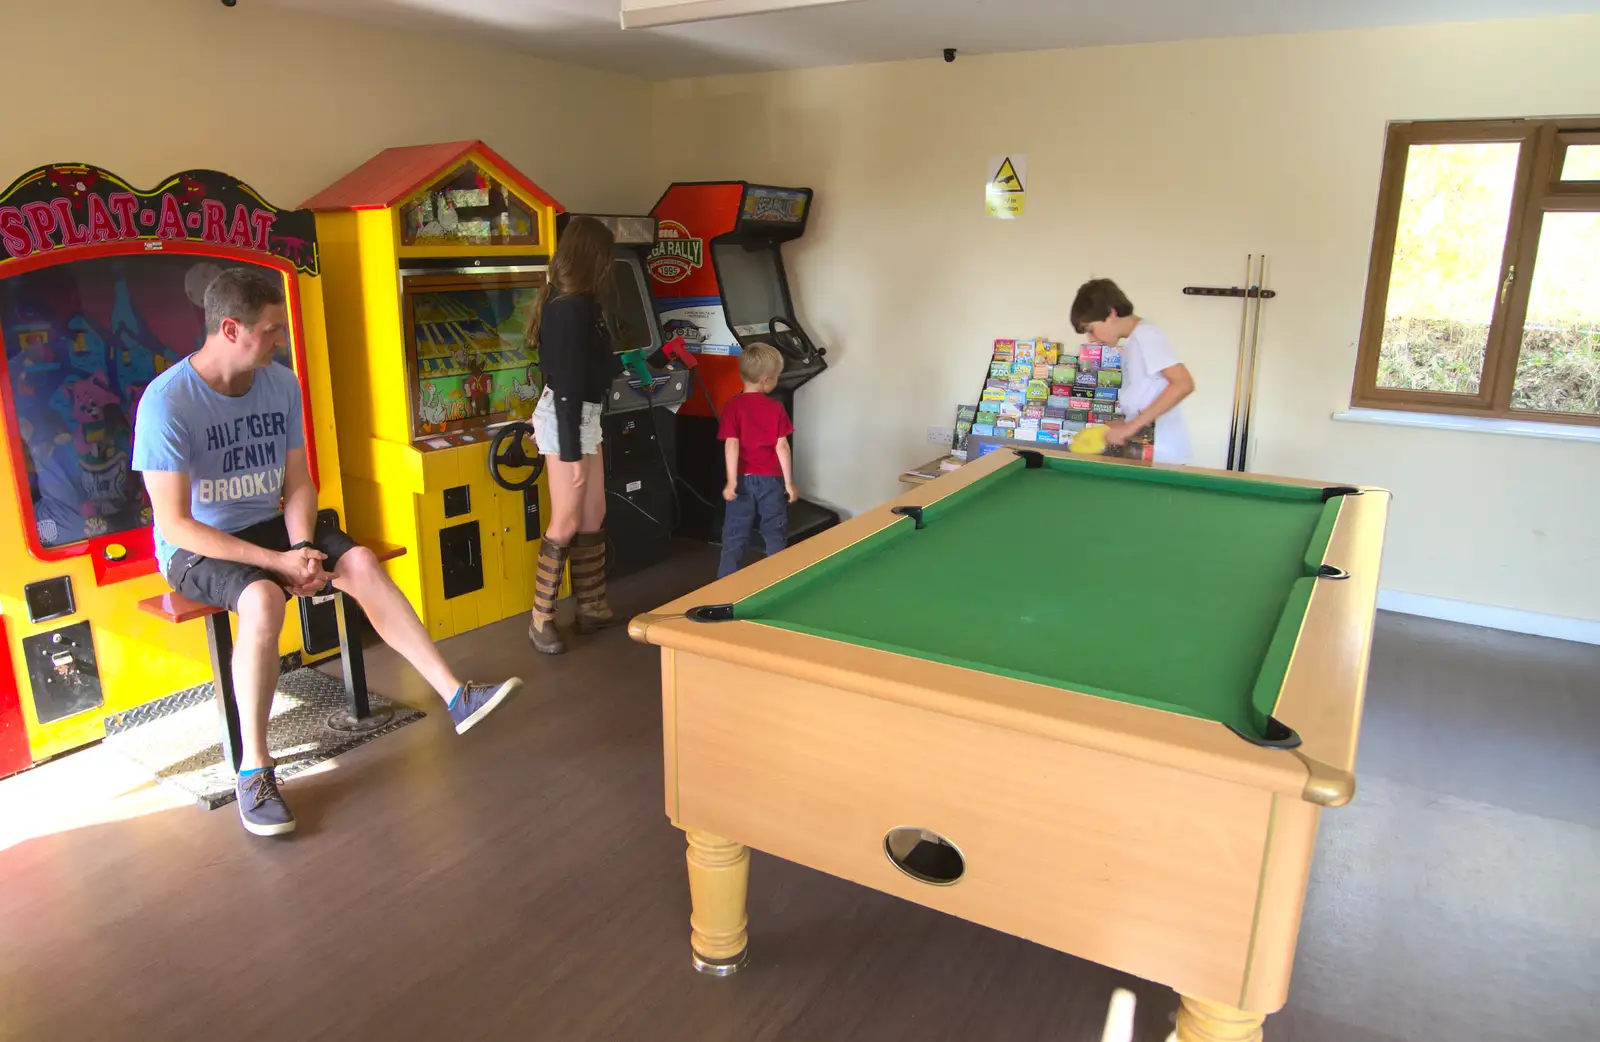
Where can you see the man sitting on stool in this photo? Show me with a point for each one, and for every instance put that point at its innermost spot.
(220, 441)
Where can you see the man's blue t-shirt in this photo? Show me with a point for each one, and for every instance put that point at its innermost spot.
(233, 449)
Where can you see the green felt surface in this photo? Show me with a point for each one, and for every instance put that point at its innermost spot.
(1169, 589)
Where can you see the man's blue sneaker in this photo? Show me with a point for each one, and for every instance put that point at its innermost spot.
(476, 701)
(261, 807)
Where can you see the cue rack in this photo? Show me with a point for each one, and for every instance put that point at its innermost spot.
(1253, 292)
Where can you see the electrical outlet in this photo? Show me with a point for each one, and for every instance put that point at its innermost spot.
(940, 436)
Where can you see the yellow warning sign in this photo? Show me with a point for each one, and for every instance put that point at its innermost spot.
(1006, 179)
(1006, 191)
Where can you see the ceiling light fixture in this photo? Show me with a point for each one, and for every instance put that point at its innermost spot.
(647, 14)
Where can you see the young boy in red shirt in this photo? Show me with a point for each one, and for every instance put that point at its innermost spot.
(755, 433)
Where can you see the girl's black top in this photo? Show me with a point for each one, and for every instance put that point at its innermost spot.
(576, 358)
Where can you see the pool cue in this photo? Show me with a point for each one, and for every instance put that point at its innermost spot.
(1238, 371)
(1250, 379)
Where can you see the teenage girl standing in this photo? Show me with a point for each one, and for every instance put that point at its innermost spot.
(576, 357)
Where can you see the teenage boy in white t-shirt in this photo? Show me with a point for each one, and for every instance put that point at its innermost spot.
(1153, 380)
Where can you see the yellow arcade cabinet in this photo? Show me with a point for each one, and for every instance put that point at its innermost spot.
(432, 256)
(101, 290)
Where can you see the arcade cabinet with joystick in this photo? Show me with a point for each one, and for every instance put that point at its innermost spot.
(433, 256)
(719, 282)
(637, 425)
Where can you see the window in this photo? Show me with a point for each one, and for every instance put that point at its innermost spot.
(1483, 297)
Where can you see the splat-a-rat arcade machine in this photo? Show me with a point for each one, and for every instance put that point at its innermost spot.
(101, 289)
(719, 282)
(433, 256)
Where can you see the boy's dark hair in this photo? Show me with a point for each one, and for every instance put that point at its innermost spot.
(241, 294)
(1095, 302)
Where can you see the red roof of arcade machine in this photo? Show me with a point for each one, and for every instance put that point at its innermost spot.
(393, 174)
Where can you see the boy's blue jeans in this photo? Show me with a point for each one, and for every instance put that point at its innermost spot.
(762, 497)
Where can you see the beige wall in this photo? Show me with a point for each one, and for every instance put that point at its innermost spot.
(1158, 165)
(1161, 166)
(289, 102)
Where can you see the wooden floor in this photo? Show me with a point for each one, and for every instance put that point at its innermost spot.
(523, 883)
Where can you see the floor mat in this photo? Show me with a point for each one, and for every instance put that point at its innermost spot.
(178, 738)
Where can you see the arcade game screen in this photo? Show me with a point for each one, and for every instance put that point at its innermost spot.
(467, 337)
(82, 341)
(628, 308)
(752, 286)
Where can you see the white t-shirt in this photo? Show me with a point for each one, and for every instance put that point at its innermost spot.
(1145, 353)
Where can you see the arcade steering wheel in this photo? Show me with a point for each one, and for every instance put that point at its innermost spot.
(792, 341)
(514, 456)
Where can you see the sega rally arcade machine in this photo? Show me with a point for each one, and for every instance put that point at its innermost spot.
(433, 256)
(719, 282)
(637, 425)
(101, 289)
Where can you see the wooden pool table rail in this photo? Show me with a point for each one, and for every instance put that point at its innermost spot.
(1324, 687)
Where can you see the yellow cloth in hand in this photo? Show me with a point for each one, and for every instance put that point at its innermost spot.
(1091, 441)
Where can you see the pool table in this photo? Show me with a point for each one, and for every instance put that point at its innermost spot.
(1093, 704)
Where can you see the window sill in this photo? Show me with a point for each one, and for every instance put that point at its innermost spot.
(1471, 424)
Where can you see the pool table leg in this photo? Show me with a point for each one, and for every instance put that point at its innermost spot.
(1201, 1020)
(719, 877)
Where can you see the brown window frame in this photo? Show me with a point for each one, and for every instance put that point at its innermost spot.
(1539, 190)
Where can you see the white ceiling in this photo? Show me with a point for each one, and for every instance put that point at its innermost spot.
(586, 32)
